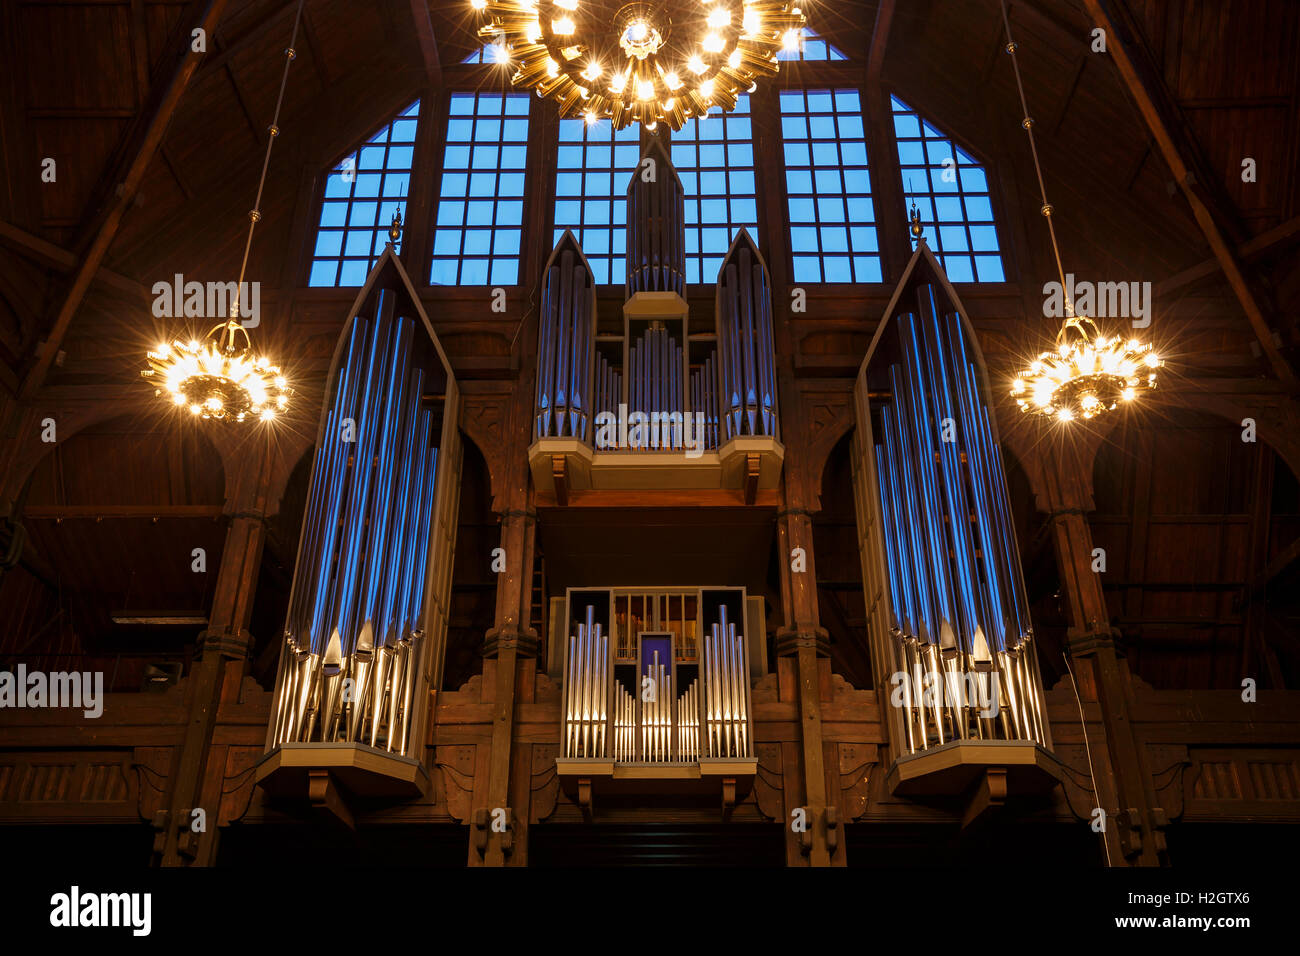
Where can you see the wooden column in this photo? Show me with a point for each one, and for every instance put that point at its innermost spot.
(510, 650)
(801, 645)
(223, 651)
(1063, 486)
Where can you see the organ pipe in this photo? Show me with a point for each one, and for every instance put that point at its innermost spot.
(586, 691)
(747, 385)
(656, 232)
(958, 613)
(565, 344)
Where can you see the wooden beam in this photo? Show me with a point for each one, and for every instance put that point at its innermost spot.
(879, 39)
(1121, 45)
(424, 35)
(1261, 243)
(108, 229)
(98, 512)
(65, 261)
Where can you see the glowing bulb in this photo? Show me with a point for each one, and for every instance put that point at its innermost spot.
(791, 40)
(1152, 360)
(672, 81)
(719, 17)
(498, 53)
(753, 21)
(713, 43)
(592, 71)
(591, 118)
(733, 60)
(533, 31)
(706, 88)
(567, 4)
(645, 90)
(1065, 415)
(552, 68)
(696, 65)
(669, 105)
(563, 27)
(478, 4)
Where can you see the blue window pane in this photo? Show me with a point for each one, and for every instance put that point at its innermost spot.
(948, 187)
(446, 242)
(958, 268)
(444, 272)
(451, 214)
(323, 273)
(455, 184)
(807, 269)
(989, 268)
(837, 269)
(473, 272)
(589, 165)
(867, 269)
(353, 272)
(328, 243)
(478, 242)
(333, 213)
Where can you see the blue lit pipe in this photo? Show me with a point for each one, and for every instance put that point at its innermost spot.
(327, 477)
(897, 603)
(977, 465)
(396, 567)
(922, 557)
(892, 486)
(382, 515)
(954, 481)
(345, 598)
(923, 422)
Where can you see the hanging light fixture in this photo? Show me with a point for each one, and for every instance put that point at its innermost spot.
(647, 61)
(1087, 372)
(223, 377)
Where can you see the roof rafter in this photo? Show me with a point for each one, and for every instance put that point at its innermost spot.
(1153, 102)
(98, 248)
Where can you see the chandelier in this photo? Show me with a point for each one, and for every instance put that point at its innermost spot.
(644, 61)
(219, 378)
(1088, 372)
(222, 378)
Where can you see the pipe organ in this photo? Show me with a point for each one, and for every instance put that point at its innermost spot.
(689, 388)
(952, 637)
(656, 676)
(367, 609)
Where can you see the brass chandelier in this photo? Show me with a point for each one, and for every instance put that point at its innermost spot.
(223, 378)
(646, 61)
(1087, 372)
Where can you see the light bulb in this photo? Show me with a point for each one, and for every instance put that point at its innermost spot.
(719, 17)
(713, 43)
(563, 27)
(645, 90)
(696, 65)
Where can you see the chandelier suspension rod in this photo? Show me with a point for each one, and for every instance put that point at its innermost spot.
(255, 214)
(1028, 124)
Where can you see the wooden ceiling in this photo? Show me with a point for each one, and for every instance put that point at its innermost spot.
(87, 77)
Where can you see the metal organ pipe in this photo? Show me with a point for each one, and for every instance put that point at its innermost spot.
(744, 327)
(565, 341)
(656, 253)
